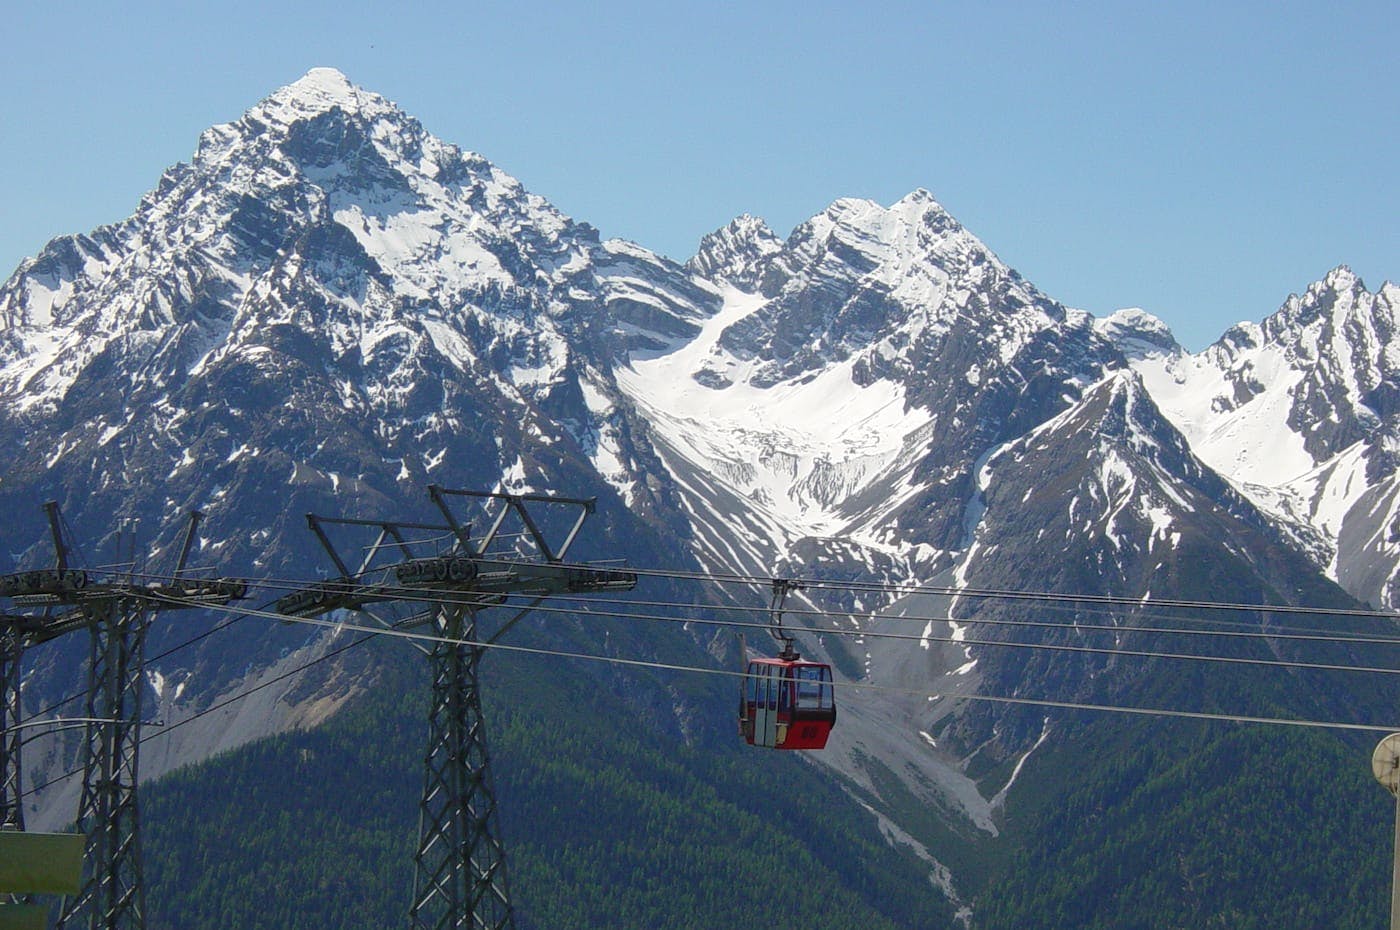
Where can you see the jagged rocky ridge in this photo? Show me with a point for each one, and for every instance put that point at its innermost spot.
(1300, 412)
(329, 308)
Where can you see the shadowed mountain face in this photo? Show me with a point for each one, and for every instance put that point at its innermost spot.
(328, 309)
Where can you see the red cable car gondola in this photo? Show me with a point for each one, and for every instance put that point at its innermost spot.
(786, 703)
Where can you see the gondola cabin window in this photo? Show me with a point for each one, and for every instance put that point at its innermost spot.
(814, 688)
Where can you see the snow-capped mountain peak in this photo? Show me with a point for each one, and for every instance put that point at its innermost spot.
(332, 180)
(320, 89)
(915, 230)
(1301, 412)
(736, 253)
(1138, 334)
(317, 92)
(863, 279)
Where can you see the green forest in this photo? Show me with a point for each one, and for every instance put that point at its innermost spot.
(610, 822)
(606, 823)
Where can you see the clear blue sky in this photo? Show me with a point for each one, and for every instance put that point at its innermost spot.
(1200, 160)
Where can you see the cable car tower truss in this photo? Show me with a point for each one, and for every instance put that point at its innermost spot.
(448, 578)
(116, 610)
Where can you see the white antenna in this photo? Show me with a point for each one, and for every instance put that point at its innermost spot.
(1385, 764)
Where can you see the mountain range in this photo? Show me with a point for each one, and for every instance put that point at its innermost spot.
(328, 308)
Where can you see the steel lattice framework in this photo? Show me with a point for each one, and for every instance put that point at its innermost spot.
(13, 632)
(459, 865)
(112, 893)
(116, 613)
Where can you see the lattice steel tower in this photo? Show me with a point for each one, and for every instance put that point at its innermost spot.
(116, 612)
(459, 865)
(14, 630)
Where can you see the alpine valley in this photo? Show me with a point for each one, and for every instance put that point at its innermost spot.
(328, 309)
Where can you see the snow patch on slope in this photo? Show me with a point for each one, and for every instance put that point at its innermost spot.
(1252, 444)
(794, 451)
